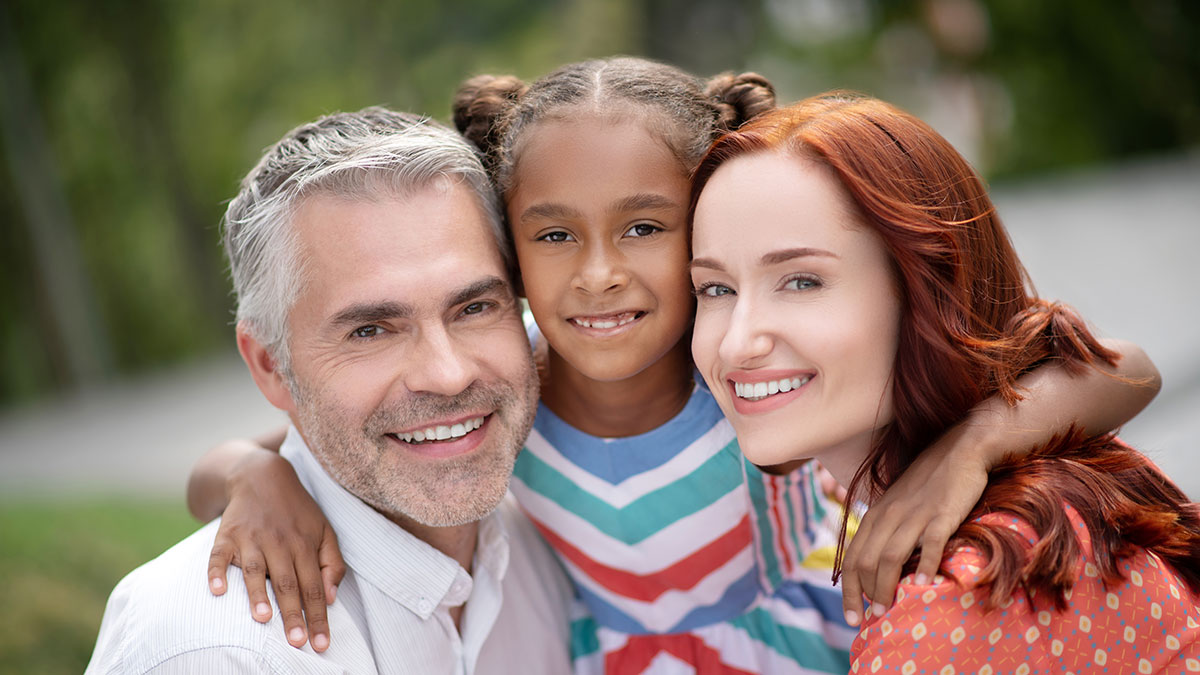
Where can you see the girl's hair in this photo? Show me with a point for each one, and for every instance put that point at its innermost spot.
(493, 112)
(970, 326)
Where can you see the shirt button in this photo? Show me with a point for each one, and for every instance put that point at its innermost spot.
(424, 606)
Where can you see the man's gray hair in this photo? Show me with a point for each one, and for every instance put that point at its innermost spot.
(365, 154)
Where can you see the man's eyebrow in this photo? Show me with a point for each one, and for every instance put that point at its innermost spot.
(476, 289)
(549, 211)
(370, 312)
(644, 201)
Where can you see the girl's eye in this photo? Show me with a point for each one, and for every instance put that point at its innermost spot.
(801, 284)
(712, 290)
(556, 237)
(642, 230)
(367, 332)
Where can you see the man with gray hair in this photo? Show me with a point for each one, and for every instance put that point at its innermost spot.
(375, 307)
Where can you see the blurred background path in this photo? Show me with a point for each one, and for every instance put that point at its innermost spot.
(1120, 243)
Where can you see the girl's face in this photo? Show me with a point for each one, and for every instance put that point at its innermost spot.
(599, 218)
(797, 319)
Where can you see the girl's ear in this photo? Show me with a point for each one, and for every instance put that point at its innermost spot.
(263, 368)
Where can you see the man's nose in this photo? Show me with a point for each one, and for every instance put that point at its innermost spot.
(440, 364)
(602, 269)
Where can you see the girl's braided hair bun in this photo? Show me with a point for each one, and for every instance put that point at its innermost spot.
(479, 109)
(739, 98)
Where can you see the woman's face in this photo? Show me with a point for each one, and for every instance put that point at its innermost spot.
(798, 314)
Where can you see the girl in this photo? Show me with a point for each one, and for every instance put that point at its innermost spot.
(680, 549)
(844, 248)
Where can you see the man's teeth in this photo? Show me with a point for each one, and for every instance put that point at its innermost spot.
(606, 322)
(756, 391)
(441, 433)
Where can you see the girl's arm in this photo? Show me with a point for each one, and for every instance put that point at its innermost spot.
(270, 526)
(933, 496)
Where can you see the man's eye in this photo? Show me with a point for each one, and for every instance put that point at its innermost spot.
(642, 230)
(476, 308)
(556, 237)
(367, 332)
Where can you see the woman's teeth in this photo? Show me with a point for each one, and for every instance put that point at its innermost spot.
(606, 322)
(442, 433)
(756, 391)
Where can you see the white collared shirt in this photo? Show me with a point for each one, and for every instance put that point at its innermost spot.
(392, 613)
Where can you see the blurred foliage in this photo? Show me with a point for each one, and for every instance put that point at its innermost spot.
(60, 561)
(128, 123)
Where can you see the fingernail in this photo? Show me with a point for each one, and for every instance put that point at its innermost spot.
(852, 617)
(332, 594)
(262, 609)
(320, 642)
(878, 609)
(296, 634)
(921, 579)
(216, 585)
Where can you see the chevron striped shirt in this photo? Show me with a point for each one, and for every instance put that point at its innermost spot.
(684, 555)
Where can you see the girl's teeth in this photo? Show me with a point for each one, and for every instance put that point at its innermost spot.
(756, 391)
(607, 322)
(441, 433)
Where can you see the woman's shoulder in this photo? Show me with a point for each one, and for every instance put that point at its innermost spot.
(950, 621)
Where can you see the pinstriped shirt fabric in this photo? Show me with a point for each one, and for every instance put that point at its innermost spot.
(392, 613)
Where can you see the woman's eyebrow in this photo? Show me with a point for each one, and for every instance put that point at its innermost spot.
(707, 263)
(784, 255)
(771, 258)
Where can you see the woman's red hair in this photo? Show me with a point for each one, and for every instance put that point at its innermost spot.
(970, 326)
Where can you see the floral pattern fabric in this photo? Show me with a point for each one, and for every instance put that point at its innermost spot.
(1147, 623)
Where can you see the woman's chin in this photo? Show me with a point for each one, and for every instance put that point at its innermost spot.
(769, 452)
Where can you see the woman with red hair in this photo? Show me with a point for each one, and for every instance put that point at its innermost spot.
(858, 295)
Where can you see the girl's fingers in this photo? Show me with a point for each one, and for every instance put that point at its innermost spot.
(312, 595)
(333, 568)
(287, 596)
(254, 572)
(218, 561)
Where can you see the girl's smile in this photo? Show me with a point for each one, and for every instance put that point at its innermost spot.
(604, 266)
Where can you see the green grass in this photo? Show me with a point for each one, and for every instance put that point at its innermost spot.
(58, 563)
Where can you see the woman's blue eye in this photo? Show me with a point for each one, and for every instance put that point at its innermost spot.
(713, 291)
(556, 237)
(642, 230)
(367, 332)
(801, 284)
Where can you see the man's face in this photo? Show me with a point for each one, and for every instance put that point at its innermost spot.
(412, 380)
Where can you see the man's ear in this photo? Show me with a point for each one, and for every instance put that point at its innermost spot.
(264, 370)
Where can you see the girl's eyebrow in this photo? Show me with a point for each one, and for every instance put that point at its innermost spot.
(643, 201)
(549, 211)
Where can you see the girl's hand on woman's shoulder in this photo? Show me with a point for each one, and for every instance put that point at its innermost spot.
(922, 509)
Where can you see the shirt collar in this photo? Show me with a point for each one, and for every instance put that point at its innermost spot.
(387, 556)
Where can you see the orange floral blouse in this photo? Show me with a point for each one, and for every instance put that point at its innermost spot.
(1149, 623)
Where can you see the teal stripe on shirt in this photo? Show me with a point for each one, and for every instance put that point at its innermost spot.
(646, 515)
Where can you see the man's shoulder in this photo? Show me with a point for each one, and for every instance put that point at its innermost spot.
(163, 610)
